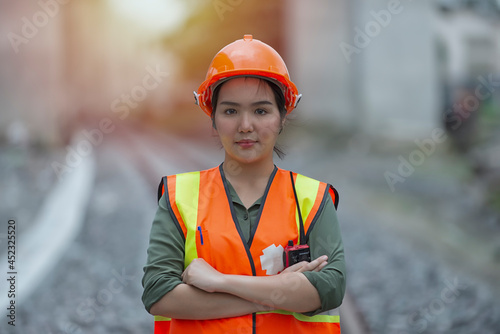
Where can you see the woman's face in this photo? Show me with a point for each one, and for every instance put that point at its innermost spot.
(247, 119)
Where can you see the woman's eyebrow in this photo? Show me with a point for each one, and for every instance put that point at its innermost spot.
(261, 102)
(230, 103)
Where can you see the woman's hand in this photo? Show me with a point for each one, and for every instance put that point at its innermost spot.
(202, 275)
(315, 265)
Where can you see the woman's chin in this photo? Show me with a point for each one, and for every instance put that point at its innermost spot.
(247, 158)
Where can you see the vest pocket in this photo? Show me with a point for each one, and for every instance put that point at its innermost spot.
(203, 246)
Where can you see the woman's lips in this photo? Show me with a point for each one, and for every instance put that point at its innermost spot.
(246, 143)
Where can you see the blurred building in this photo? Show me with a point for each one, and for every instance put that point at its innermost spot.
(67, 64)
(385, 67)
(31, 70)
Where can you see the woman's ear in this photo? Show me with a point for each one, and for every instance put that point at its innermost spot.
(214, 131)
(283, 121)
(213, 120)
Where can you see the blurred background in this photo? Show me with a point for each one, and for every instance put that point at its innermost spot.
(400, 112)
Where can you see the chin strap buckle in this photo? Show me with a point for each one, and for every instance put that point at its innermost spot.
(297, 100)
(196, 98)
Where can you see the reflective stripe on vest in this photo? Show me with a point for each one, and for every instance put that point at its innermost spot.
(186, 200)
(307, 190)
(332, 316)
(201, 205)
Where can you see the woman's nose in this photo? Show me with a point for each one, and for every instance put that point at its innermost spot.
(246, 124)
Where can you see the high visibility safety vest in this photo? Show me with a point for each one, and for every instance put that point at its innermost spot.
(202, 209)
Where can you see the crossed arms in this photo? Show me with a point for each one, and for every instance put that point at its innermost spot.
(208, 294)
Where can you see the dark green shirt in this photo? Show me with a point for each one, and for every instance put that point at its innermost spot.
(165, 262)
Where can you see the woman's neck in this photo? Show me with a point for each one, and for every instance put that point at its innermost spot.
(241, 173)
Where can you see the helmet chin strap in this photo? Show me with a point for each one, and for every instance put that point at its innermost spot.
(297, 100)
(196, 98)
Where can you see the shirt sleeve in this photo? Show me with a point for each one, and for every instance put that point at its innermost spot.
(165, 260)
(324, 239)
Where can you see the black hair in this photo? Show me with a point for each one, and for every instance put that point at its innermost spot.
(280, 102)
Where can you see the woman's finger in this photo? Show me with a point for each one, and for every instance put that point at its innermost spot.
(295, 268)
(317, 262)
(315, 265)
(321, 266)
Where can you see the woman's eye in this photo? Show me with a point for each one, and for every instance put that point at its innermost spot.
(260, 111)
(229, 111)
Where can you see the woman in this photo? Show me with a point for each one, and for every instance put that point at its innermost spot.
(222, 237)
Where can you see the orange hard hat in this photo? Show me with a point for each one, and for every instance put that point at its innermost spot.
(247, 57)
